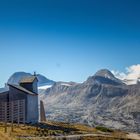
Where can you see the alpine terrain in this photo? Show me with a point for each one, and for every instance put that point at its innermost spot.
(101, 100)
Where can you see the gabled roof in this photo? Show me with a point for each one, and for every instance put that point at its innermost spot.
(22, 89)
(28, 79)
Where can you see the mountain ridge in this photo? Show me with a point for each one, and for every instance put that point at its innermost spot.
(100, 100)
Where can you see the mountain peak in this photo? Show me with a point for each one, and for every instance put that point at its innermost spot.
(105, 73)
(104, 76)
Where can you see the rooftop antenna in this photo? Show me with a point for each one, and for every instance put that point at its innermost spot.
(5, 84)
(34, 73)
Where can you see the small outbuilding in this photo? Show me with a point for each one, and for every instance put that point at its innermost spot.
(27, 91)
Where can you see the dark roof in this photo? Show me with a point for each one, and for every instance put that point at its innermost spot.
(28, 79)
(22, 89)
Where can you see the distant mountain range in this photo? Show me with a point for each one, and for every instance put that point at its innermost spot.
(17, 76)
(101, 100)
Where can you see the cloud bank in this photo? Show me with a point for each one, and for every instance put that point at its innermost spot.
(131, 74)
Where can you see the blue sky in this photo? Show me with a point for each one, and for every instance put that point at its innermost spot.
(68, 40)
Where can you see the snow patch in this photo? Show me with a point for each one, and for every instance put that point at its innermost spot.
(107, 76)
(65, 84)
(45, 87)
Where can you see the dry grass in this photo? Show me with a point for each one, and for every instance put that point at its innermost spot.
(4, 136)
(54, 129)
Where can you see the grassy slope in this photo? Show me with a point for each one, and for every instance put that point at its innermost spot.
(56, 129)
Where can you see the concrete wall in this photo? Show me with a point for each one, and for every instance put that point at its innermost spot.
(32, 108)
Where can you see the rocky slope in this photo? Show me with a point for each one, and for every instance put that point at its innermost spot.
(101, 100)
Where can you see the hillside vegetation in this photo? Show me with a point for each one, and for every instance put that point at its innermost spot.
(59, 130)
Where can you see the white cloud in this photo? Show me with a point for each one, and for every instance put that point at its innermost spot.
(131, 74)
(119, 75)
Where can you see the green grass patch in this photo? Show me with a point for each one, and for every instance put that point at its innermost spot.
(104, 129)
